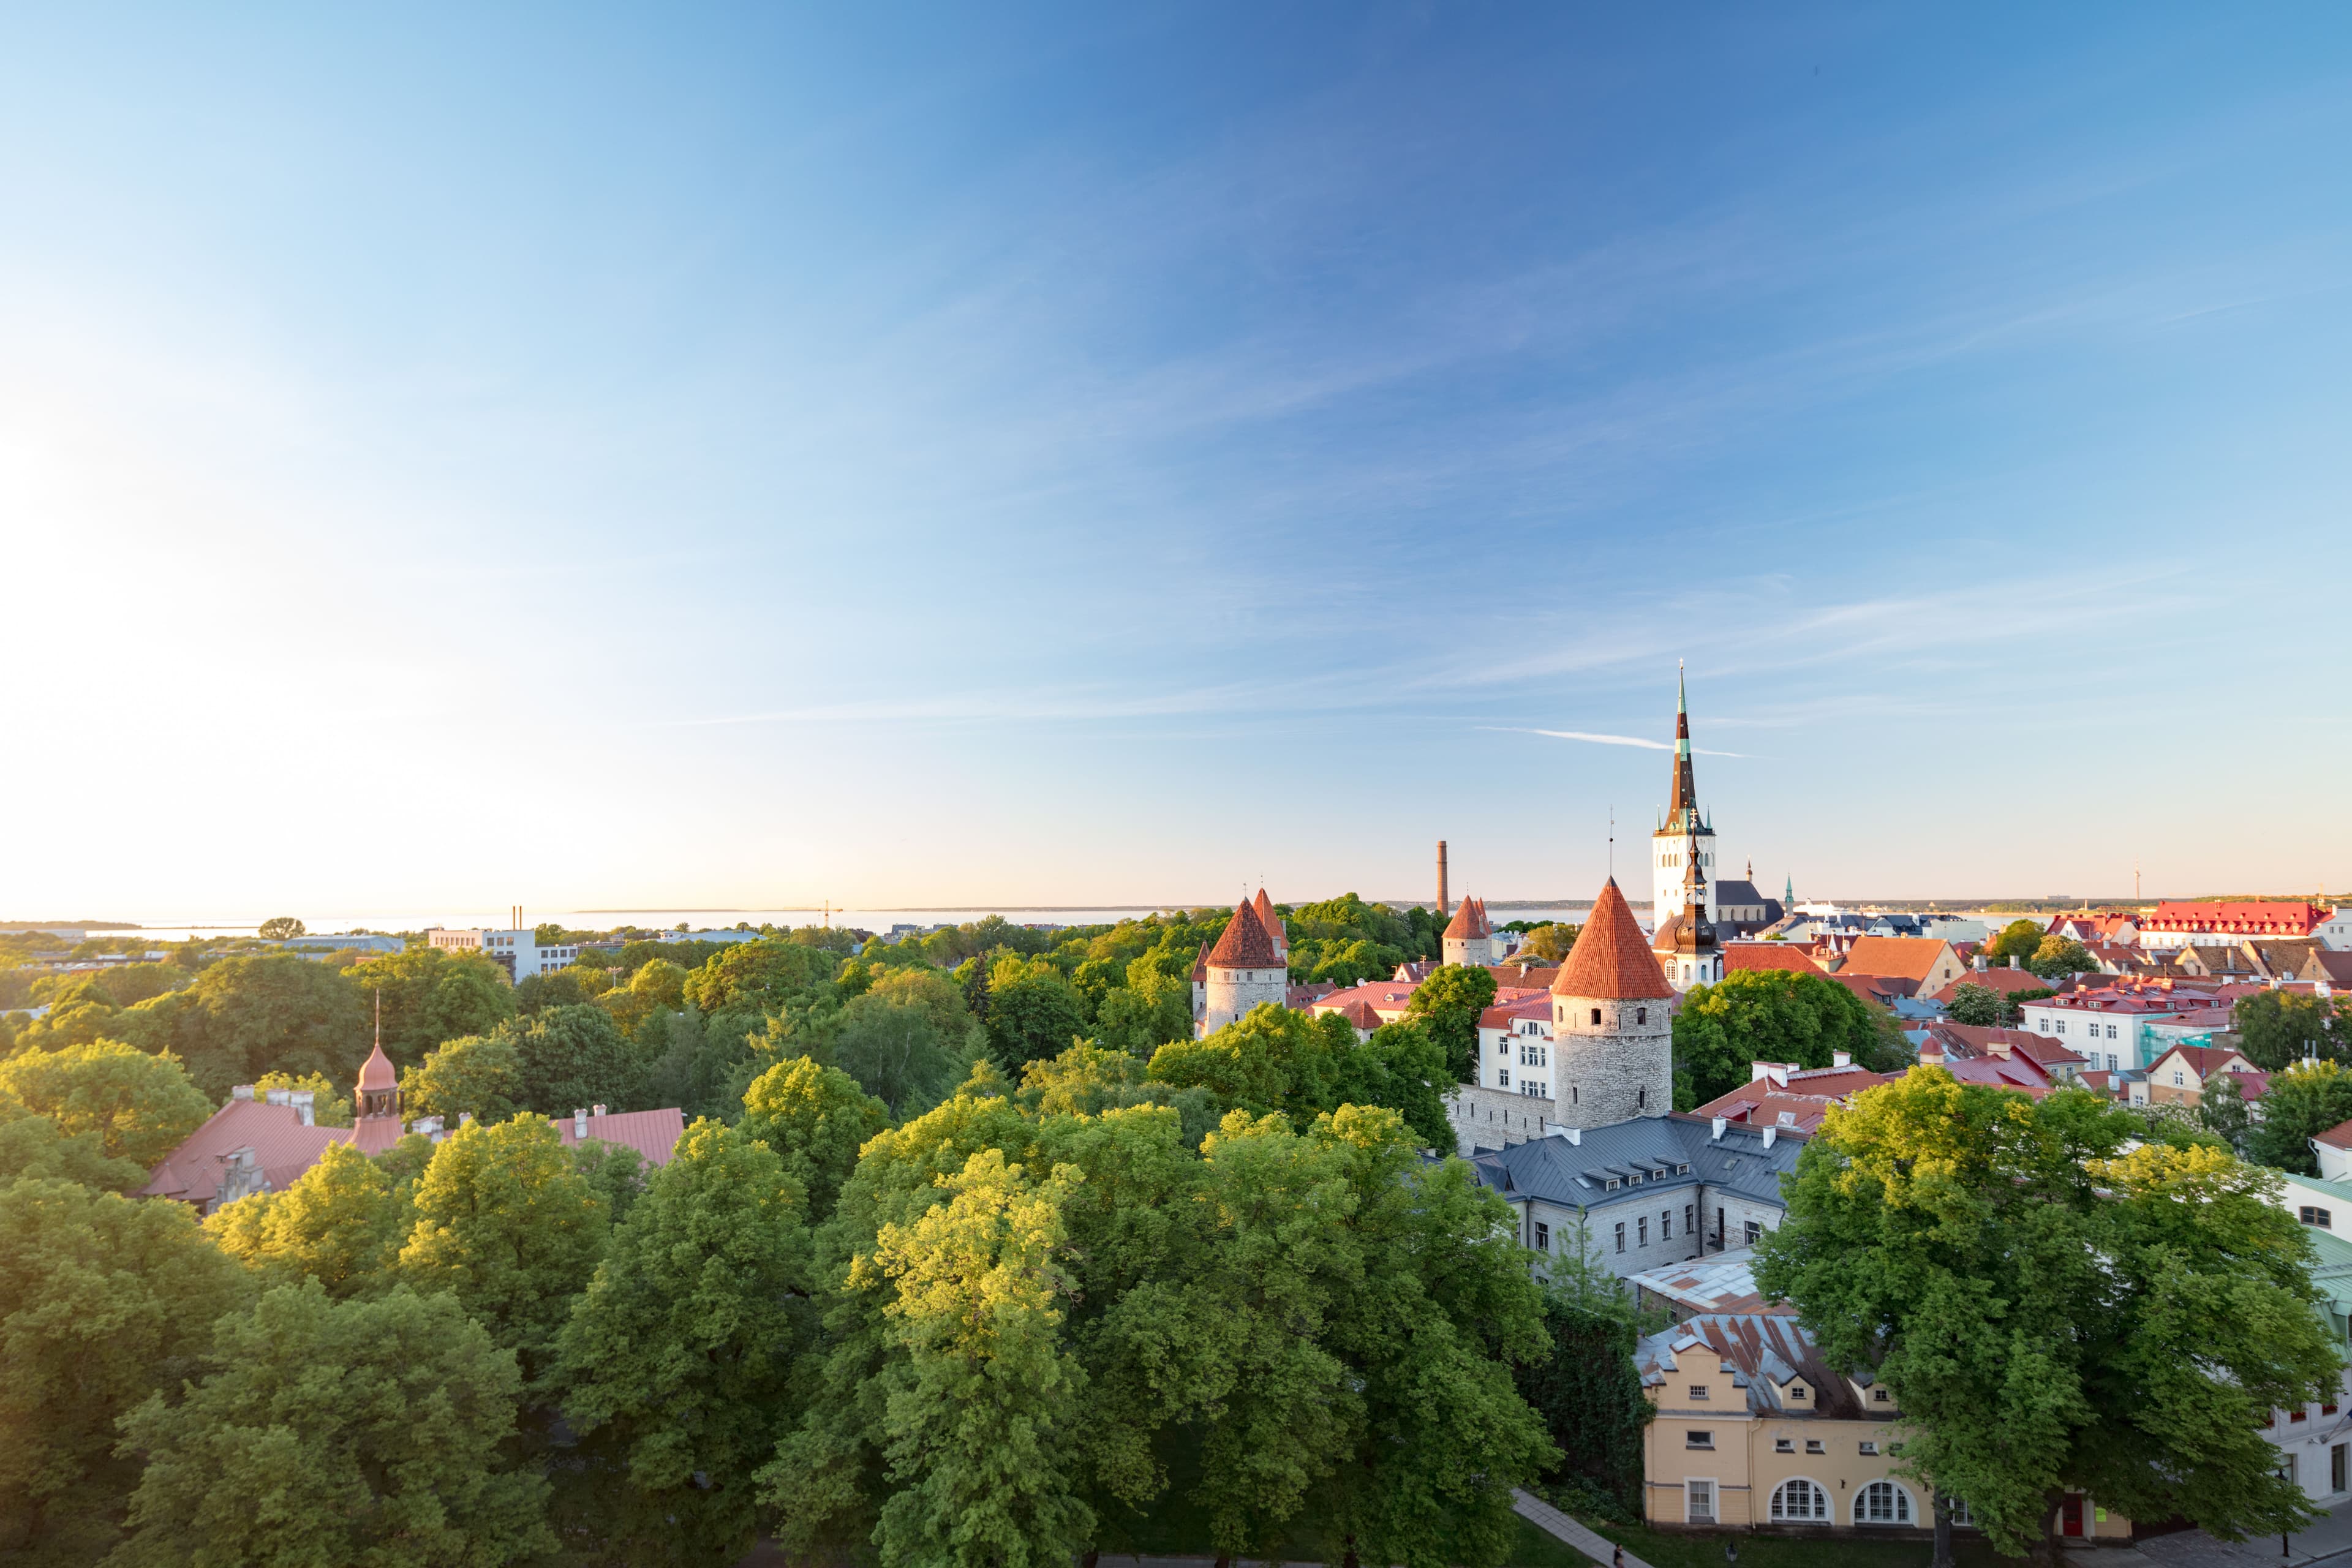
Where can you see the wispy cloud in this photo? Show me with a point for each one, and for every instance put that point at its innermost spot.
(1646, 746)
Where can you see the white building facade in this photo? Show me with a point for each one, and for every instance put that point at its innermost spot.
(517, 951)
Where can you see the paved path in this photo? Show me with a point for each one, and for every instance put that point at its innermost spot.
(2327, 1542)
(1551, 1521)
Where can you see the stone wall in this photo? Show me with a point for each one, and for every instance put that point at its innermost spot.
(1614, 1069)
(1496, 1117)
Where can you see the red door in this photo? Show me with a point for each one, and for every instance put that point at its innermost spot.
(2070, 1515)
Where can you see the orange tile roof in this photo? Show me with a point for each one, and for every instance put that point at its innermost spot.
(1263, 907)
(652, 1133)
(2005, 982)
(1244, 945)
(1744, 955)
(281, 1146)
(1611, 958)
(1898, 957)
(1469, 922)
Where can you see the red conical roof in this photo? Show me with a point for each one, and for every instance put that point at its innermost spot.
(1469, 922)
(376, 1072)
(1244, 945)
(1263, 906)
(1611, 959)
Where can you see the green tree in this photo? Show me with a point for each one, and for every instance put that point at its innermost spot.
(102, 1302)
(2276, 1029)
(816, 1119)
(1269, 1061)
(2301, 1103)
(1769, 1015)
(981, 1401)
(282, 928)
(683, 1347)
(1032, 1012)
(2019, 939)
(2224, 1112)
(337, 1433)
(341, 1223)
(507, 1223)
(1587, 1390)
(2015, 1281)
(432, 994)
(328, 1108)
(757, 973)
(1551, 942)
(477, 1074)
(244, 1017)
(1447, 1005)
(1979, 1007)
(550, 989)
(2055, 957)
(895, 1053)
(573, 1058)
(1402, 1068)
(140, 1107)
(34, 1146)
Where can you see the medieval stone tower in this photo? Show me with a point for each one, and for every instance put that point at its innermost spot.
(1247, 966)
(1469, 936)
(1611, 1029)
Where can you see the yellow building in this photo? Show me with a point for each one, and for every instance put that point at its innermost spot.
(1754, 1431)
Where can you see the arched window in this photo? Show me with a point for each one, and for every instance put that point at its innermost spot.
(1881, 1503)
(1800, 1500)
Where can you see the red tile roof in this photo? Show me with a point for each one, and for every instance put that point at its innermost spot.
(2336, 1137)
(1983, 1040)
(1898, 957)
(652, 1133)
(2204, 1061)
(1244, 945)
(1469, 922)
(1743, 955)
(2002, 982)
(2255, 917)
(1611, 958)
(1263, 908)
(281, 1146)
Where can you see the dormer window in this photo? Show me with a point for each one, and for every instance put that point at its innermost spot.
(1796, 1391)
(1879, 1396)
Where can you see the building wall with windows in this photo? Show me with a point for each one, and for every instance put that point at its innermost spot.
(1754, 1431)
(516, 951)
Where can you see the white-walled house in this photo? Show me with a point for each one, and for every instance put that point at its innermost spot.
(518, 952)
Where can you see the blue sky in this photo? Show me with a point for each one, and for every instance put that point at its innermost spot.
(1053, 455)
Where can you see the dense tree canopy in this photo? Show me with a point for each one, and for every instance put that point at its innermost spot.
(2017, 1280)
(479, 1076)
(337, 1435)
(1447, 1005)
(816, 1119)
(1771, 1014)
(341, 1223)
(431, 995)
(103, 1300)
(2279, 1027)
(2301, 1103)
(247, 1016)
(140, 1107)
(1033, 1013)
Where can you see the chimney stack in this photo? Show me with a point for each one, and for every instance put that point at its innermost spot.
(302, 1100)
(1442, 907)
(1841, 1059)
(595, 1110)
(579, 1122)
(1770, 1132)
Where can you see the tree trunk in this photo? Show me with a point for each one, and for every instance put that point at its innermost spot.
(2051, 1550)
(1943, 1558)
(1348, 1561)
(1093, 1557)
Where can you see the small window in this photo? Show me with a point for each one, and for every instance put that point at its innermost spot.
(1784, 1445)
(2312, 1214)
(1698, 1439)
(1543, 1236)
(1666, 1224)
(1698, 1391)
(1796, 1391)
(1879, 1396)
(1643, 1224)
(1596, 1015)
(1755, 1233)
(1813, 1445)
(1870, 1447)
(1621, 1236)
(1641, 1014)
(1642, 1098)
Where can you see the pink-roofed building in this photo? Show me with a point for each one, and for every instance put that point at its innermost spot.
(1783, 1095)
(2182, 923)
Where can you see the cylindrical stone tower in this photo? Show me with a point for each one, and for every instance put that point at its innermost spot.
(1612, 1037)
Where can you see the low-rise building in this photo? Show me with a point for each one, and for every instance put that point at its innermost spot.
(1755, 1429)
(1793, 1099)
(2180, 1075)
(1639, 1194)
(2184, 923)
(516, 951)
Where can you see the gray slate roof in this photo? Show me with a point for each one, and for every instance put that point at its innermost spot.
(1657, 1148)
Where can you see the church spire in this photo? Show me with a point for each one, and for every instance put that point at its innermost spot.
(1682, 812)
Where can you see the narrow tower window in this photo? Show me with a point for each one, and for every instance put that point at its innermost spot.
(1596, 1015)
(1641, 1014)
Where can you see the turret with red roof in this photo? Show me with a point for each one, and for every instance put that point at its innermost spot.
(1613, 1025)
(1469, 936)
(1243, 969)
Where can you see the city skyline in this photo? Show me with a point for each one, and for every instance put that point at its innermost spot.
(1059, 458)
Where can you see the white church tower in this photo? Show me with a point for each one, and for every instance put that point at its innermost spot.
(1685, 838)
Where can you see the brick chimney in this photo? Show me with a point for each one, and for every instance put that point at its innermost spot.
(1442, 907)
(579, 1122)
(302, 1101)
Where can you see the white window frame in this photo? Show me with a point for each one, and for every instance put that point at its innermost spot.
(1774, 1512)
(1906, 1506)
(1695, 1487)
